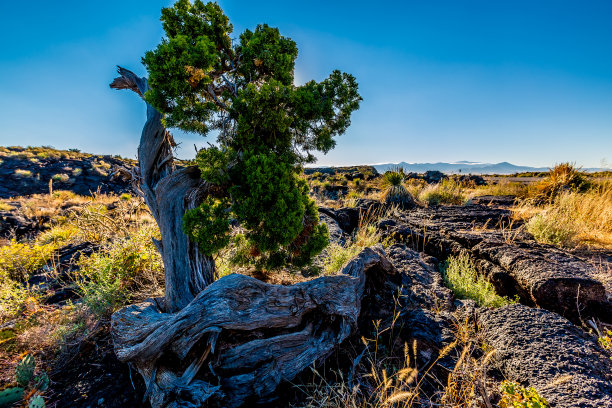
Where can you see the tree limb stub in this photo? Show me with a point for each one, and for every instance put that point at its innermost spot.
(250, 335)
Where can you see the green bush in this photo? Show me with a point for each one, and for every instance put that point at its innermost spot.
(517, 396)
(108, 279)
(20, 260)
(461, 277)
(548, 229)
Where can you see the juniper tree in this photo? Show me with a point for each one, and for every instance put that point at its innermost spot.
(267, 128)
(235, 339)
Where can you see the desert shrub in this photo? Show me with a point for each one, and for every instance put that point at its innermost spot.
(415, 186)
(6, 207)
(59, 235)
(64, 195)
(461, 277)
(77, 172)
(564, 177)
(445, 192)
(395, 192)
(20, 260)
(338, 255)
(548, 227)
(60, 177)
(572, 217)
(23, 173)
(125, 269)
(517, 396)
(13, 297)
(359, 185)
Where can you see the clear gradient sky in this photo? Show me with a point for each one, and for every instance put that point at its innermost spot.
(529, 82)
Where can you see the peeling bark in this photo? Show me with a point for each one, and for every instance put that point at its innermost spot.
(168, 192)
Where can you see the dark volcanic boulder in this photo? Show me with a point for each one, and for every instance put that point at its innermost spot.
(494, 201)
(541, 349)
(434, 176)
(336, 234)
(13, 225)
(349, 217)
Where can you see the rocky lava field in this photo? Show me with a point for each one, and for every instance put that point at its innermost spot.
(547, 336)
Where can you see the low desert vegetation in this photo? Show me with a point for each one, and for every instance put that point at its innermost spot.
(395, 192)
(516, 396)
(445, 192)
(461, 277)
(23, 173)
(337, 255)
(501, 188)
(577, 214)
(128, 268)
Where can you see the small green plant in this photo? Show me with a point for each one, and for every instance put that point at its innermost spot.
(338, 255)
(37, 401)
(395, 192)
(60, 177)
(24, 372)
(461, 277)
(10, 396)
(517, 396)
(546, 228)
(13, 297)
(606, 341)
(125, 197)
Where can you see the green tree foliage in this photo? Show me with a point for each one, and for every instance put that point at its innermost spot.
(267, 128)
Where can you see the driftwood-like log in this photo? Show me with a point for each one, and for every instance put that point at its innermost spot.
(168, 192)
(240, 337)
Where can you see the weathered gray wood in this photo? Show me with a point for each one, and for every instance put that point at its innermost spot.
(253, 335)
(168, 192)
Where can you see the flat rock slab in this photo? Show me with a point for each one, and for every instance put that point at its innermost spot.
(541, 349)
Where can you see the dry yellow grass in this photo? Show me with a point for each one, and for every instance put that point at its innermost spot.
(587, 215)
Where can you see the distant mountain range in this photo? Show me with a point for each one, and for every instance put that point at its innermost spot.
(466, 167)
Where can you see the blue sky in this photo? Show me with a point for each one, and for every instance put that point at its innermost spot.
(528, 82)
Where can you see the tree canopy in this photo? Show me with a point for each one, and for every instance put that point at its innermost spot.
(267, 128)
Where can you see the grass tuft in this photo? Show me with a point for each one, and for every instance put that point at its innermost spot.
(461, 277)
(446, 192)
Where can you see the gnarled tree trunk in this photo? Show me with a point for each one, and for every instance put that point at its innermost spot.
(168, 192)
(233, 339)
